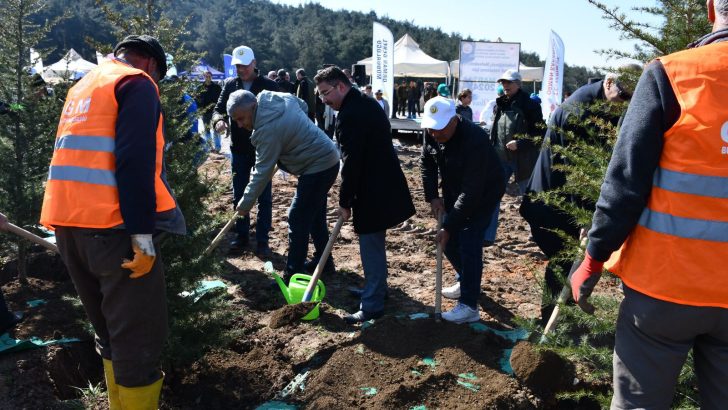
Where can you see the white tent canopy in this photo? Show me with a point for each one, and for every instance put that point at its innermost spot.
(71, 66)
(411, 61)
(528, 73)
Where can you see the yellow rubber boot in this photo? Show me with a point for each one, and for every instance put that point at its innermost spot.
(141, 398)
(112, 389)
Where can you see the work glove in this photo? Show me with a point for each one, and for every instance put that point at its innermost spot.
(144, 256)
(583, 281)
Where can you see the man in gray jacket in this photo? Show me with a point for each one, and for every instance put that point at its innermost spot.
(284, 135)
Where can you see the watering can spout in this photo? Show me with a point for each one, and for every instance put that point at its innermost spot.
(268, 267)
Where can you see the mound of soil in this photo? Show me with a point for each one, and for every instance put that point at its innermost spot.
(402, 363)
(543, 371)
(290, 313)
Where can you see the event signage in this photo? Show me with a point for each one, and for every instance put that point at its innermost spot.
(481, 64)
(553, 76)
(383, 63)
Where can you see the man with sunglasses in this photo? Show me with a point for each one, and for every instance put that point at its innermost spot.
(586, 102)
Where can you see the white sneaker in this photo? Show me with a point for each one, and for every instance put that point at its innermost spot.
(452, 292)
(462, 314)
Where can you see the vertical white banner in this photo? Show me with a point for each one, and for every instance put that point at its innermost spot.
(383, 63)
(553, 76)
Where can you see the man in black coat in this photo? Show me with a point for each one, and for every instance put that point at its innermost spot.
(243, 152)
(586, 102)
(208, 95)
(372, 182)
(283, 84)
(305, 91)
(460, 153)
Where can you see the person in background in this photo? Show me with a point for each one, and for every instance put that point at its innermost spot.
(305, 91)
(663, 208)
(368, 91)
(243, 152)
(486, 116)
(379, 96)
(206, 99)
(284, 85)
(402, 98)
(272, 75)
(412, 96)
(465, 98)
(458, 157)
(373, 185)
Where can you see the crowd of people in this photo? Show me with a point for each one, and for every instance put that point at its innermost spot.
(660, 214)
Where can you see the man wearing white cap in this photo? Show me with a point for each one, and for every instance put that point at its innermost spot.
(243, 152)
(473, 182)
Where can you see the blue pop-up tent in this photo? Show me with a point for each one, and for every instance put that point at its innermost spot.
(197, 71)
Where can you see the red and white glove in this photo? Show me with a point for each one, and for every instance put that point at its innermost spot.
(583, 281)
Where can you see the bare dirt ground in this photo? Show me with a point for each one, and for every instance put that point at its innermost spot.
(403, 360)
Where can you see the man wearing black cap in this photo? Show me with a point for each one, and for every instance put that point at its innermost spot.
(108, 200)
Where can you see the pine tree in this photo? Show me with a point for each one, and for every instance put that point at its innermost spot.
(27, 128)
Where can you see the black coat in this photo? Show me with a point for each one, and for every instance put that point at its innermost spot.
(239, 137)
(543, 218)
(472, 176)
(206, 100)
(372, 181)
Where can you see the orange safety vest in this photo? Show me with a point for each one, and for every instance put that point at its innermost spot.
(81, 189)
(677, 250)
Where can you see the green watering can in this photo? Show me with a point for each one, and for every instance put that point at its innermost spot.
(297, 287)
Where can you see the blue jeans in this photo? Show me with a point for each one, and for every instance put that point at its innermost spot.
(242, 166)
(307, 217)
(374, 262)
(509, 168)
(213, 138)
(464, 250)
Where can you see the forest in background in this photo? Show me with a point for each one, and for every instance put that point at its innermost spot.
(306, 36)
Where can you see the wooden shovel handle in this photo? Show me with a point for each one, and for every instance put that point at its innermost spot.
(322, 262)
(31, 237)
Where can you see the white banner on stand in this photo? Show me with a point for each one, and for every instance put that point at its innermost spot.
(553, 76)
(383, 63)
(481, 63)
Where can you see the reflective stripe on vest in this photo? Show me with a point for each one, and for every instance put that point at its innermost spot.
(81, 190)
(679, 247)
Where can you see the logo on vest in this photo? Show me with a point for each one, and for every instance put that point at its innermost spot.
(724, 137)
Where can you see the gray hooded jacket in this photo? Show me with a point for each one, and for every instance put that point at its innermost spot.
(283, 134)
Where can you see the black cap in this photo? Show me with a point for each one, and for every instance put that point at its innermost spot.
(147, 45)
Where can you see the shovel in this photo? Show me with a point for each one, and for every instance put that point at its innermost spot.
(563, 298)
(228, 225)
(438, 275)
(30, 236)
(322, 261)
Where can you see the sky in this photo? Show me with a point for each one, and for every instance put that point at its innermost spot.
(529, 22)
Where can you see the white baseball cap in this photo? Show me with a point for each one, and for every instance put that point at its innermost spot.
(511, 75)
(242, 55)
(438, 113)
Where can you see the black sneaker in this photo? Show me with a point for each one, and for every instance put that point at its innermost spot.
(263, 251)
(329, 267)
(362, 316)
(239, 243)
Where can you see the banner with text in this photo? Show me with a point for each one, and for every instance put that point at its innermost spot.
(553, 76)
(383, 63)
(481, 63)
